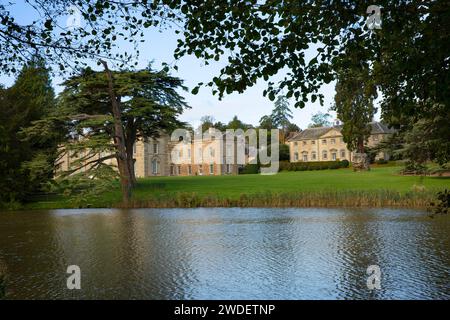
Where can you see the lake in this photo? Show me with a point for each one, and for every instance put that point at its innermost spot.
(226, 253)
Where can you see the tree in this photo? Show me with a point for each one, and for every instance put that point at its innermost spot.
(428, 139)
(292, 127)
(26, 160)
(355, 92)
(266, 122)
(320, 119)
(206, 122)
(146, 102)
(235, 124)
(281, 114)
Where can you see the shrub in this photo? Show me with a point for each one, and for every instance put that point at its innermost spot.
(442, 203)
(381, 161)
(412, 167)
(316, 165)
(345, 163)
(250, 169)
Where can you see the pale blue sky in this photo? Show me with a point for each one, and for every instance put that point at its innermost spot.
(249, 106)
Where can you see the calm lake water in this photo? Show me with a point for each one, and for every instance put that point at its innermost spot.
(226, 253)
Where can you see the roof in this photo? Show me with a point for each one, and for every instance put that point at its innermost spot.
(316, 133)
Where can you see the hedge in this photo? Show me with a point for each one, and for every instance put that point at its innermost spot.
(315, 165)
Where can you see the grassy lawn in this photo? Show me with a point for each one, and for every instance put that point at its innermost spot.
(300, 188)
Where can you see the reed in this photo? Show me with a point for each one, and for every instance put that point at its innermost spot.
(378, 198)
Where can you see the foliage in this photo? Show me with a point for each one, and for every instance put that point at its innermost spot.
(442, 203)
(313, 165)
(97, 28)
(355, 92)
(281, 113)
(284, 152)
(27, 154)
(149, 103)
(320, 119)
(429, 137)
(415, 168)
(83, 188)
(381, 161)
(235, 124)
(250, 169)
(392, 145)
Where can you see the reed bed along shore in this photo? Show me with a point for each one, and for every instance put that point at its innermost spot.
(381, 198)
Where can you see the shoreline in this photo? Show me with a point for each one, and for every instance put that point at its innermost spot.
(337, 199)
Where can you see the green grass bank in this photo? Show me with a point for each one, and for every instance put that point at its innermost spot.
(380, 187)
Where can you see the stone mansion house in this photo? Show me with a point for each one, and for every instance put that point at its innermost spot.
(211, 156)
(155, 157)
(327, 144)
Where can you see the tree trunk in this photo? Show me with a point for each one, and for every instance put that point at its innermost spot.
(360, 159)
(119, 140)
(130, 160)
(130, 139)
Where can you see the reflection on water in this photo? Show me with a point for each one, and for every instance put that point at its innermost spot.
(226, 253)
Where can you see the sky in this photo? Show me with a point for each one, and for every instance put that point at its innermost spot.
(249, 106)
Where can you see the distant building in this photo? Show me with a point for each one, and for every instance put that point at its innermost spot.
(327, 143)
(154, 157)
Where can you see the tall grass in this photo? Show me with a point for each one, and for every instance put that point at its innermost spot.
(379, 198)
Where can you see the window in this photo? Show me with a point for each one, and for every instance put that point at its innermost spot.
(324, 155)
(155, 166)
(333, 156)
(228, 168)
(211, 169)
(295, 143)
(304, 143)
(155, 148)
(296, 156)
(343, 154)
(333, 141)
(313, 156)
(189, 170)
(178, 170)
(200, 170)
(324, 141)
(172, 170)
(211, 151)
(313, 142)
(305, 157)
